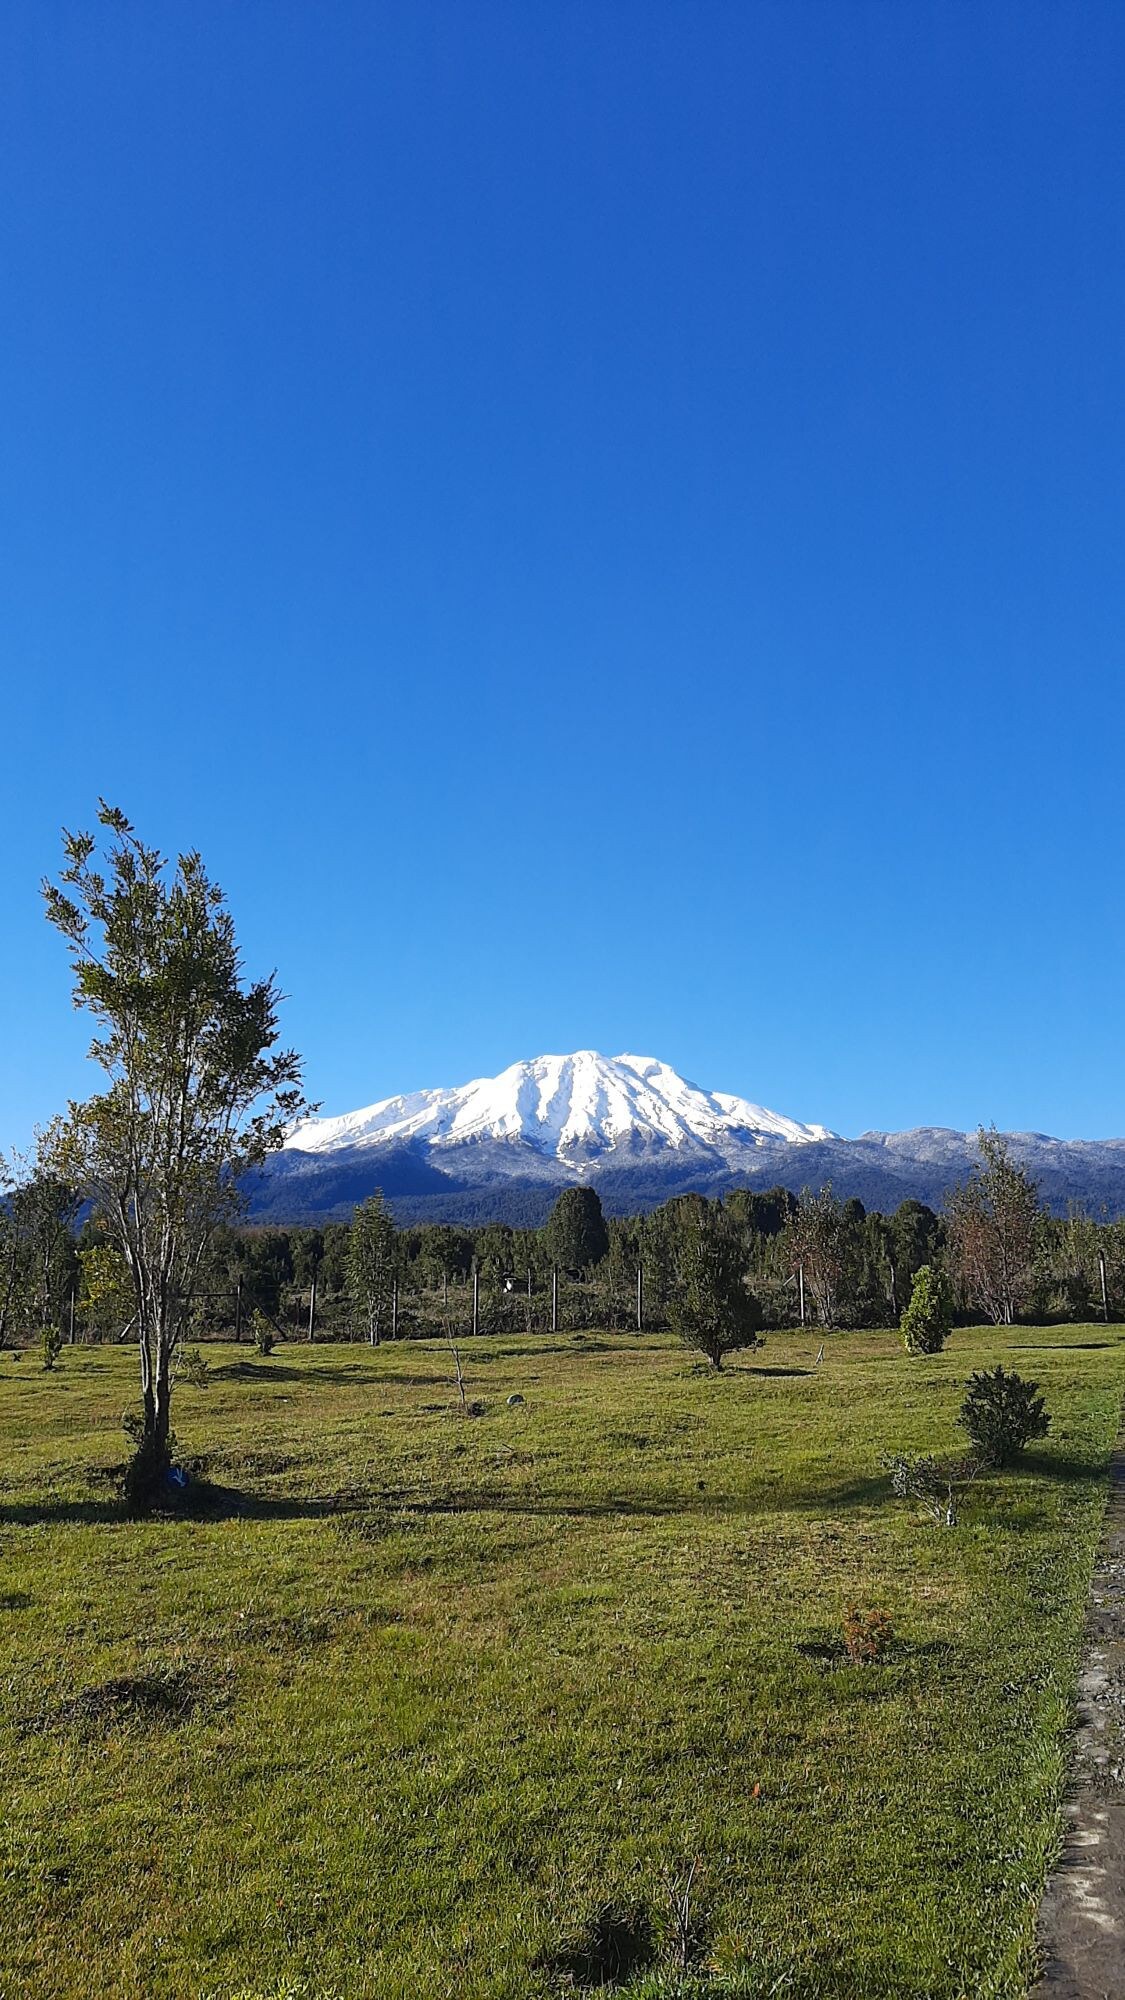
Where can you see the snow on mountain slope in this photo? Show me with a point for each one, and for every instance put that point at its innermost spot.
(572, 1109)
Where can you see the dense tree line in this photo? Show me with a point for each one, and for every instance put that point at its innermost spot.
(998, 1252)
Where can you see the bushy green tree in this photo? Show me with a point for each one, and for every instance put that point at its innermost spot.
(575, 1234)
(711, 1308)
(929, 1316)
(913, 1238)
(38, 1253)
(306, 1255)
(1003, 1414)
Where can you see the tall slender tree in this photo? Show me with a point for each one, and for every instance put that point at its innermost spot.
(993, 1224)
(372, 1264)
(818, 1245)
(197, 1092)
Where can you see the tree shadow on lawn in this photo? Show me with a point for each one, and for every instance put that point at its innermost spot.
(1063, 1346)
(278, 1371)
(867, 1493)
(1054, 1465)
(220, 1503)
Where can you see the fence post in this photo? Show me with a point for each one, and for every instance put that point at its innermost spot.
(476, 1298)
(394, 1308)
(640, 1299)
(554, 1298)
(1105, 1293)
(238, 1310)
(801, 1282)
(72, 1315)
(312, 1308)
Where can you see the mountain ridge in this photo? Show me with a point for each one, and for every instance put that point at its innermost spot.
(501, 1148)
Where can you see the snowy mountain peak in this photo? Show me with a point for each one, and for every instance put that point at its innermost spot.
(574, 1109)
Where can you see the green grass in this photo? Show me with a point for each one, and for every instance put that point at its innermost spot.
(442, 1686)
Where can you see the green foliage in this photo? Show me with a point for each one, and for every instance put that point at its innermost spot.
(106, 1301)
(50, 1345)
(306, 1254)
(936, 1486)
(195, 1368)
(196, 1094)
(1003, 1414)
(711, 1308)
(261, 1332)
(38, 1266)
(928, 1318)
(575, 1236)
(820, 1241)
(914, 1235)
(993, 1230)
(761, 1214)
(372, 1263)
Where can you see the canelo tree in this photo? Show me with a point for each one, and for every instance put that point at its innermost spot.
(197, 1094)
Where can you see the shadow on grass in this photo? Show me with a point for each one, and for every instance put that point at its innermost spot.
(1054, 1465)
(277, 1371)
(751, 1370)
(203, 1502)
(872, 1492)
(1063, 1346)
(206, 1501)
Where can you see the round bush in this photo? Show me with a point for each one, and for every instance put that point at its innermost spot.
(1002, 1414)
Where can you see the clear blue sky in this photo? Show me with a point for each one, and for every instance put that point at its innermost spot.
(604, 521)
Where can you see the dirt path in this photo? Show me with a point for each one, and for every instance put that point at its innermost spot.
(1082, 1919)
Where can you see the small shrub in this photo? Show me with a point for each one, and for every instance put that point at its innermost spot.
(867, 1635)
(1002, 1414)
(928, 1317)
(263, 1334)
(50, 1345)
(935, 1485)
(195, 1368)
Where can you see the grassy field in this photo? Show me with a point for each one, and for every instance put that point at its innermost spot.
(427, 1691)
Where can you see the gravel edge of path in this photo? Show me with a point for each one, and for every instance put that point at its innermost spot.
(1082, 1915)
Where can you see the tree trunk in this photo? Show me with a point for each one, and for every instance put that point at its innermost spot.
(162, 1410)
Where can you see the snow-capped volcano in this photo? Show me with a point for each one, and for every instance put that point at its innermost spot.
(503, 1146)
(572, 1110)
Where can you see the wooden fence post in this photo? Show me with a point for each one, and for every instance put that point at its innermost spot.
(312, 1308)
(238, 1310)
(554, 1298)
(640, 1298)
(476, 1299)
